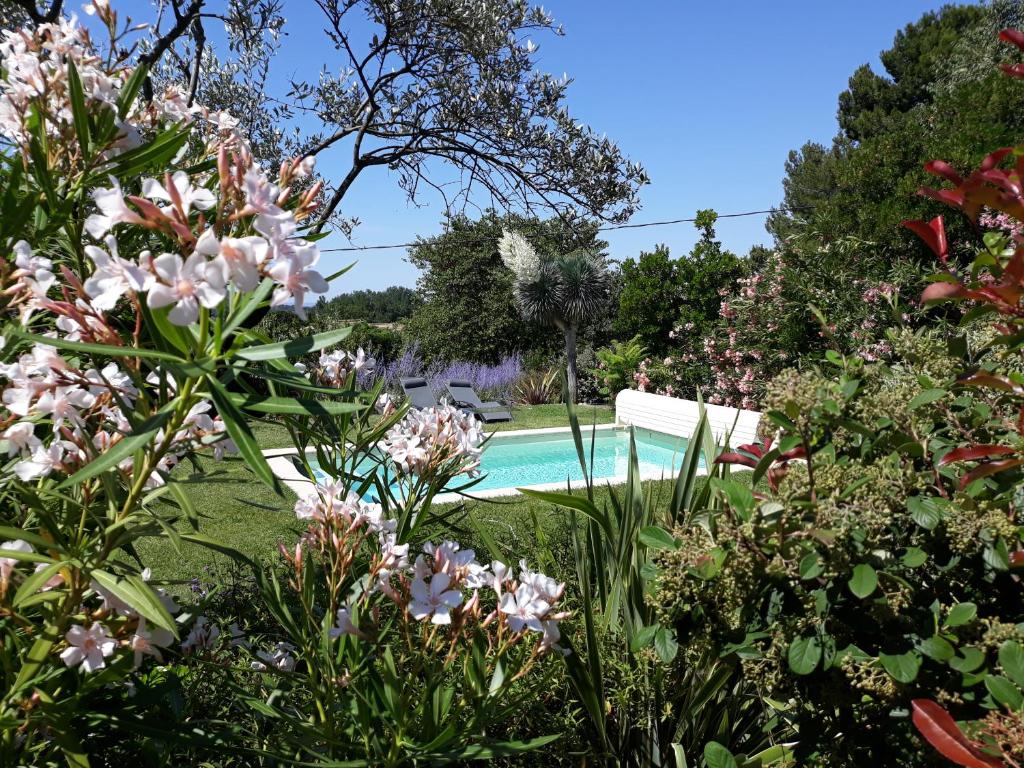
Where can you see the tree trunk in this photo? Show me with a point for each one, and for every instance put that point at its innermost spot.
(570, 362)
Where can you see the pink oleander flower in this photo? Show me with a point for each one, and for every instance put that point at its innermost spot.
(148, 642)
(293, 271)
(8, 564)
(433, 600)
(88, 647)
(202, 637)
(113, 210)
(186, 285)
(179, 189)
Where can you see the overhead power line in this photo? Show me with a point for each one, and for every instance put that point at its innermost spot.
(606, 228)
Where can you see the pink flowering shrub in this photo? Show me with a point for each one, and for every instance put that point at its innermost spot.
(141, 241)
(774, 317)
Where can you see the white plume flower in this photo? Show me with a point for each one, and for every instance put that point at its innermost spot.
(519, 256)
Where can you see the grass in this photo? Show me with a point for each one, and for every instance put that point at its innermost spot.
(236, 509)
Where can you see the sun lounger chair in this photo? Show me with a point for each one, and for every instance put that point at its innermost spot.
(419, 393)
(464, 396)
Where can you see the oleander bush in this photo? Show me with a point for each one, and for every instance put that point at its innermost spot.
(142, 242)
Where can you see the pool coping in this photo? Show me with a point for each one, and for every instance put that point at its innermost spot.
(286, 471)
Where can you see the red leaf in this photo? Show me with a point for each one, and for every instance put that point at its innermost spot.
(992, 381)
(934, 235)
(941, 291)
(995, 158)
(735, 458)
(1017, 559)
(975, 452)
(1013, 36)
(990, 468)
(945, 170)
(942, 732)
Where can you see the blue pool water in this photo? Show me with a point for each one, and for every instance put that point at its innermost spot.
(518, 460)
(513, 461)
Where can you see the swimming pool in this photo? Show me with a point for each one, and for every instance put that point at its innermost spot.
(513, 461)
(547, 458)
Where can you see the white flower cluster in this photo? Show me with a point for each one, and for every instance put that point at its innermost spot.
(36, 72)
(59, 417)
(335, 366)
(427, 439)
(214, 263)
(443, 582)
(519, 256)
(90, 646)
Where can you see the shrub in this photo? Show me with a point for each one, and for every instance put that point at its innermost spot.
(538, 387)
(367, 647)
(618, 363)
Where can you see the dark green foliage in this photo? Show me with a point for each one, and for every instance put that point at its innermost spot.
(388, 306)
(469, 310)
(660, 294)
(648, 303)
(863, 578)
(865, 183)
(913, 64)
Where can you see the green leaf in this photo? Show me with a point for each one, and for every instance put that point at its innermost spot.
(125, 447)
(718, 756)
(654, 537)
(79, 113)
(130, 90)
(38, 654)
(925, 397)
(137, 594)
(924, 512)
(804, 655)
(810, 566)
(864, 580)
(937, 648)
(247, 307)
(961, 614)
(294, 405)
(971, 660)
(665, 644)
(34, 582)
(578, 503)
(239, 431)
(901, 667)
(107, 350)
(914, 557)
(1011, 659)
(643, 637)
(294, 347)
(156, 153)
(1005, 692)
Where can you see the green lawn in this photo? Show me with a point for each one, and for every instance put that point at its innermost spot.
(238, 510)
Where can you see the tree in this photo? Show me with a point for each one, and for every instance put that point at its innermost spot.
(443, 92)
(943, 99)
(649, 300)
(561, 289)
(469, 310)
(914, 63)
(388, 306)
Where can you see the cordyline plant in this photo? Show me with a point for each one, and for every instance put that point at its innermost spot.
(141, 241)
(563, 290)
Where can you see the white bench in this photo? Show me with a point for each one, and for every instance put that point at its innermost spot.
(677, 417)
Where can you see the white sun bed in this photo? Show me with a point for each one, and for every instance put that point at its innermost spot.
(677, 417)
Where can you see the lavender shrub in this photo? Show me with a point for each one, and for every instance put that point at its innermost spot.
(492, 382)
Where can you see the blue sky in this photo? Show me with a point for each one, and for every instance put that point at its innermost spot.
(710, 97)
